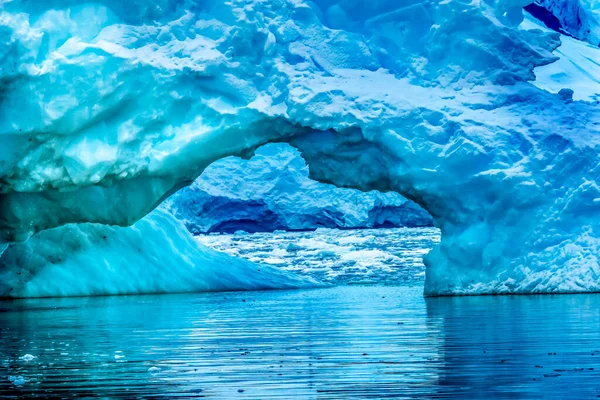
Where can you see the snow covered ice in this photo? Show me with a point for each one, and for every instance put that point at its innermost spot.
(109, 107)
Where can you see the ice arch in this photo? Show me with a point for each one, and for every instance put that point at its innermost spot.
(108, 107)
(272, 191)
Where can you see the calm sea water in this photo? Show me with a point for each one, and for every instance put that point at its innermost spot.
(383, 340)
(344, 342)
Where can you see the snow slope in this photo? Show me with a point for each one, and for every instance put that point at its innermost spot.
(156, 255)
(272, 191)
(578, 68)
(109, 107)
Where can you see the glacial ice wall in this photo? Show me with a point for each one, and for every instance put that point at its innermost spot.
(272, 191)
(155, 255)
(108, 107)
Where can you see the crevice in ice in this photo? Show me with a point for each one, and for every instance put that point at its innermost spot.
(545, 16)
(579, 19)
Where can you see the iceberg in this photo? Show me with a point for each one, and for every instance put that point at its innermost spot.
(272, 191)
(109, 107)
(155, 255)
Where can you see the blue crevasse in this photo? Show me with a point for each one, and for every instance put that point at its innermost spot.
(109, 107)
(155, 255)
(272, 191)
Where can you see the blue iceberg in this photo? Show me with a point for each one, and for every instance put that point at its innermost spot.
(155, 255)
(109, 107)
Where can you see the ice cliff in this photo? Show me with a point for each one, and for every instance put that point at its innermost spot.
(108, 107)
(155, 255)
(272, 191)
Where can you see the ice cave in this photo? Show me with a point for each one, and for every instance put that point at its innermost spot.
(477, 111)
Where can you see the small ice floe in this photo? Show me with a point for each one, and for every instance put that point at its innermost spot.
(571, 370)
(27, 357)
(551, 375)
(274, 261)
(154, 370)
(17, 380)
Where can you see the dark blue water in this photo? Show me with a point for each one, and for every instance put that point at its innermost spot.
(344, 342)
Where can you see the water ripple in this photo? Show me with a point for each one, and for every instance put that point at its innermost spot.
(344, 342)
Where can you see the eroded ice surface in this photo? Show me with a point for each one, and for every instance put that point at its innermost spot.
(272, 191)
(109, 107)
(156, 255)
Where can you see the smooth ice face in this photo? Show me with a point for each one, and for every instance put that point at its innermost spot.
(155, 255)
(109, 107)
(272, 191)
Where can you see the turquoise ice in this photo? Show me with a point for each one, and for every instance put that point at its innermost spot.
(155, 255)
(108, 107)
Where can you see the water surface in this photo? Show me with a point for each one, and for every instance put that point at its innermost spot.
(343, 342)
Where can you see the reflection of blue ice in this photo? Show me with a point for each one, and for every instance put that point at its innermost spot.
(326, 343)
(519, 346)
